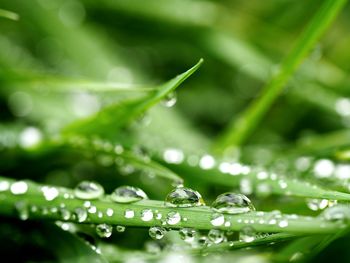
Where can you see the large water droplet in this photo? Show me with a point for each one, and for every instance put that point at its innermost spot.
(173, 218)
(128, 194)
(184, 197)
(187, 234)
(336, 213)
(19, 188)
(247, 234)
(216, 236)
(157, 232)
(217, 219)
(146, 215)
(81, 214)
(104, 230)
(88, 190)
(232, 203)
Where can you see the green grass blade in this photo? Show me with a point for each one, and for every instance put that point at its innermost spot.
(238, 132)
(9, 15)
(107, 122)
(197, 217)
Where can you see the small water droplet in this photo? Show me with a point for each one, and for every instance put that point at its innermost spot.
(104, 230)
(128, 194)
(207, 162)
(317, 204)
(247, 234)
(187, 234)
(50, 193)
(64, 213)
(232, 203)
(283, 223)
(216, 236)
(81, 214)
(22, 210)
(184, 197)
(129, 213)
(173, 218)
(109, 212)
(88, 190)
(92, 209)
(19, 188)
(120, 229)
(146, 215)
(169, 100)
(157, 232)
(217, 219)
(4, 186)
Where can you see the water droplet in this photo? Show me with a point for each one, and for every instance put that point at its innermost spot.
(232, 203)
(50, 193)
(207, 162)
(339, 213)
(109, 212)
(246, 186)
(81, 214)
(216, 236)
(172, 155)
(173, 218)
(64, 213)
(128, 194)
(157, 232)
(169, 100)
(247, 234)
(283, 223)
(184, 197)
(324, 168)
(129, 213)
(22, 210)
(217, 219)
(104, 230)
(88, 190)
(120, 229)
(146, 215)
(92, 209)
(19, 188)
(4, 186)
(317, 204)
(187, 234)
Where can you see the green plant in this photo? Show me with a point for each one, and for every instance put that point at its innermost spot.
(70, 140)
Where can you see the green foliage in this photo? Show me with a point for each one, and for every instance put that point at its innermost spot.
(81, 104)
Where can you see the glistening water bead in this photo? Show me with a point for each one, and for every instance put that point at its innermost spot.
(157, 232)
(232, 203)
(128, 194)
(104, 230)
(247, 234)
(187, 234)
(173, 218)
(184, 197)
(87, 190)
(216, 236)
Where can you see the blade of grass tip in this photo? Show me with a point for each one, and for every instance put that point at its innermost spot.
(107, 122)
(19, 197)
(240, 129)
(9, 15)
